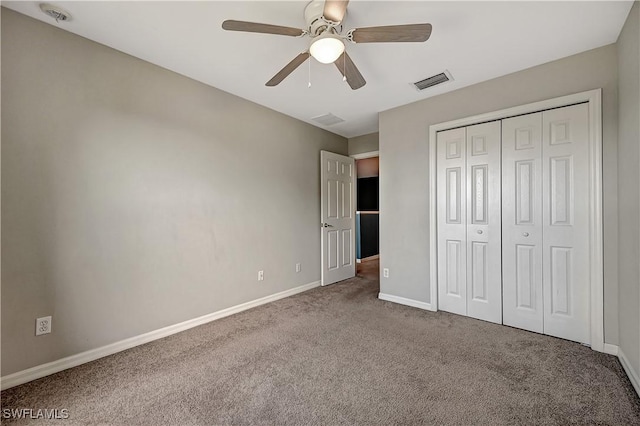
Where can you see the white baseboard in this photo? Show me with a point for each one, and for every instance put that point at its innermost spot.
(405, 301)
(631, 373)
(610, 349)
(49, 368)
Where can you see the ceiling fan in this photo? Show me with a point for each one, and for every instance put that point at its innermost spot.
(324, 25)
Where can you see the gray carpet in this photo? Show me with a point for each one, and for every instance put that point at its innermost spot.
(338, 355)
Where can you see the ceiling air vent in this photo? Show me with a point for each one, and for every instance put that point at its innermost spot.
(433, 80)
(327, 119)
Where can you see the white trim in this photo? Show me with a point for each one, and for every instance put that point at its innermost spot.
(596, 273)
(43, 370)
(433, 221)
(405, 301)
(610, 349)
(364, 155)
(596, 238)
(631, 373)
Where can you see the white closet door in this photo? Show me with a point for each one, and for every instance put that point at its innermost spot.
(483, 246)
(565, 161)
(522, 222)
(451, 211)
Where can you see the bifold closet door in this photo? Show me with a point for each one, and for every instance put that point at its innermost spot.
(545, 186)
(565, 218)
(522, 222)
(468, 209)
(451, 151)
(484, 263)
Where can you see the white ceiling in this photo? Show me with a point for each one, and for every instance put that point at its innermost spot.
(475, 41)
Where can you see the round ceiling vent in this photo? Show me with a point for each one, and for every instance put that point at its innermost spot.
(57, 13)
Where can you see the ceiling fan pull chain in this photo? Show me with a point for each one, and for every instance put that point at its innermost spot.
(344, 65)
(309, 86)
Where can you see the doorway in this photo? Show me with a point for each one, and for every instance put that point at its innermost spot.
(367, 213)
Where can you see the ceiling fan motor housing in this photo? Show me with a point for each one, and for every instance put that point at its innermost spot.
(316, 24)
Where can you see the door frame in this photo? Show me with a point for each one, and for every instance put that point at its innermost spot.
(362, 156)
(596, 272)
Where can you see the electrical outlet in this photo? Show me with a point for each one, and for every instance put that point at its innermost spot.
(43, 326)
(298, 267)
(385, 272)
(260, 275)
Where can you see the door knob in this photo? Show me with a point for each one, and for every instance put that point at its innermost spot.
(479, 231)
(526, 234)
(326, 225)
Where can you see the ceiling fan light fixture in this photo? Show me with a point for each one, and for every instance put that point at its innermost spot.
(326, 48)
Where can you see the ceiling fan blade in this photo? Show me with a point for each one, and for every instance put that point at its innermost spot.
(253, 27)
(393, 33)
(288, 69)
(334, 10)
(348, 69)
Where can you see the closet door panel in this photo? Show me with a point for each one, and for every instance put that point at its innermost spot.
(452, 206)
(483, 246)
(522, 232)
(565, 160)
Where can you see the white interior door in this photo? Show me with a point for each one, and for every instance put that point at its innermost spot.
(337, 174)
(451, 218)
(483, 220)
(522, 222)
(565, 218)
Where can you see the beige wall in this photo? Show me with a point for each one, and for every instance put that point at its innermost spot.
(364, 143)
(628, 186)
(404, 161)
(135, 198)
